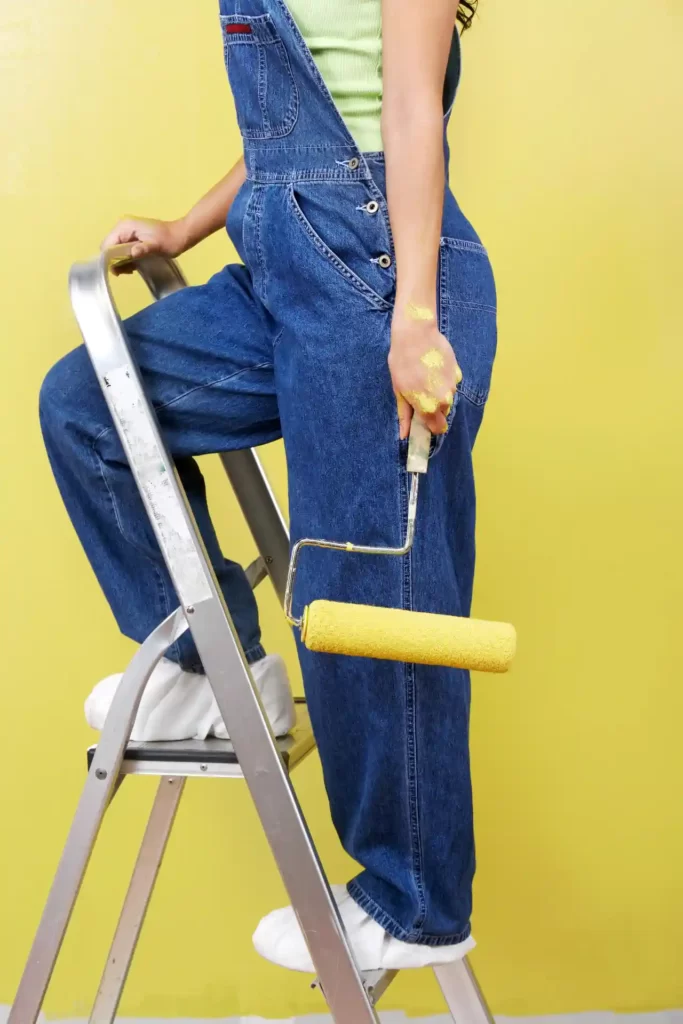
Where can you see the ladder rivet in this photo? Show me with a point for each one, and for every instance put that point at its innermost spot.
(269, 559)
(100, 773)
(203, 767)
(190, 609)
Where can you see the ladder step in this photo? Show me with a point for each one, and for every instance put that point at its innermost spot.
(376, 983)
(256, 572)
(212, 758)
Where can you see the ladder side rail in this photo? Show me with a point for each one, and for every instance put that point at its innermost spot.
(214, 633)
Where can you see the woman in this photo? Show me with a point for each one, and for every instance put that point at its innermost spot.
(361, 280)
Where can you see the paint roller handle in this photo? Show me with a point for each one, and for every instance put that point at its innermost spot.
(417, 463)
(419, 444)
(418, 460)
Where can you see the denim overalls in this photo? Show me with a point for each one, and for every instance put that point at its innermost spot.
(294, 343)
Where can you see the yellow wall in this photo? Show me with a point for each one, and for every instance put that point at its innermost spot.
(568, 155)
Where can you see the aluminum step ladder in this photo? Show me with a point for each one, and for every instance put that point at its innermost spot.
(253, 754)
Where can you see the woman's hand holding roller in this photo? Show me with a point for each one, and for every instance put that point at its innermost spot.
(424, 371)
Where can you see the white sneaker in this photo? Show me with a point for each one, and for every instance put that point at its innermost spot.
(178, 705)
(279, 939)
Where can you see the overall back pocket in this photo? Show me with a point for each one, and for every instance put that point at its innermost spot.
(467, 314)
(261, 79)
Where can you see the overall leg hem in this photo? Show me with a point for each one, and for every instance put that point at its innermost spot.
(255, 654)
(394, 929)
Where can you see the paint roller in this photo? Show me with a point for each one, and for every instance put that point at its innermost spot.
(395, 634)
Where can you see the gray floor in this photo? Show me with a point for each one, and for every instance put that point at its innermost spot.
(397, 1017)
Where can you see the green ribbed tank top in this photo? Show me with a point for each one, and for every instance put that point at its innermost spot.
(345, 39)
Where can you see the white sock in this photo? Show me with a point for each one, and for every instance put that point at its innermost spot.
(279, 939)
(179, 705)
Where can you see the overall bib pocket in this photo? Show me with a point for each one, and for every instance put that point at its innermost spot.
(260, 74)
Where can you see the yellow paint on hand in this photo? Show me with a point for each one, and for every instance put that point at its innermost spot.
(415, 312)
(423, 401)
(428, 401)
(433, 359)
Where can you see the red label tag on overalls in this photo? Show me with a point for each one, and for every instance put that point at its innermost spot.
(237, 28)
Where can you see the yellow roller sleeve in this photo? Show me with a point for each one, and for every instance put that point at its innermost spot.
(394, 634)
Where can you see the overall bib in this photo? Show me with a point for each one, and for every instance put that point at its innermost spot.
(293, 342)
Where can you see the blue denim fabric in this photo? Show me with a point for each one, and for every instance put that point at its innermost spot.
(295, 343)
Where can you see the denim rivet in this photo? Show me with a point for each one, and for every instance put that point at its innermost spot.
(354, 162)
(372, 206)
(384, 261)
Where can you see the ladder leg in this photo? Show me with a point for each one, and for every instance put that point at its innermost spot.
(217, 642)
(350, 998)
(282, 820)
(97, 792)
(462, 993)
(264, 519)
(137, 899)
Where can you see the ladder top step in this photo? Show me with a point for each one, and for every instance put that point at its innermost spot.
(210, 758)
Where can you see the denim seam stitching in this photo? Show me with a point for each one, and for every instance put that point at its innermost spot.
(443, 292)
(444, 327)
(255, 213)
(199, 387)
(262, 82)
(117, 518)
(175, 646)
(383, 211)
(409, 679)
(277, 338)
(390, 925)
(213, 383)
(255, 653)
(414, 794)
(319, 174)
(303, 147)
(482, 307)
(100, 466)
(464, 243)
(475, 397)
